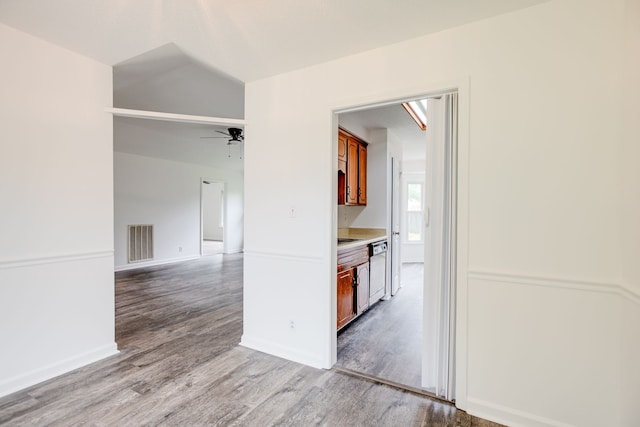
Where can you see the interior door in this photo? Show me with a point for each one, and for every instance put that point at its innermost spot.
(440, 248)
(395, 225)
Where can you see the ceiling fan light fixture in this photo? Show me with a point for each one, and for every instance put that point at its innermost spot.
(234, 135)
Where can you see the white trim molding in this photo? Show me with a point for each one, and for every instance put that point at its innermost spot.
(284, 256)
(491, 411)
(137, 265)
(172, 117)
(36, 376)
(283, 352)
(550, 282)
(53, 259)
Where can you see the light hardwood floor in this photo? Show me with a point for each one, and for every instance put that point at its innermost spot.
(212, 247)
(178, 328)
(385, 342)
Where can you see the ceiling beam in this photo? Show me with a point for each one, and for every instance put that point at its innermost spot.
(173, 117)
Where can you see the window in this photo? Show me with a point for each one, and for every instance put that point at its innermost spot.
(414, 212)
(418, 112)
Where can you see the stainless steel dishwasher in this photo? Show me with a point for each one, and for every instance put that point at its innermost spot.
(377, 270)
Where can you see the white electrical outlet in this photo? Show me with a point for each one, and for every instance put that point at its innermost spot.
(292, 211)
(292, 325)
(179, 248)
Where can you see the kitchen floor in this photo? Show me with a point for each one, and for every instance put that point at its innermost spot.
(385, 342)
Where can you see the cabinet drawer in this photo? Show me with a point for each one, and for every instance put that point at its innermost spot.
(349, 258)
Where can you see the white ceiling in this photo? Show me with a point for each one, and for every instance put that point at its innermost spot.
(245, 39)
(397, 121)
(166, 79)
(175, 141)
(164, 53)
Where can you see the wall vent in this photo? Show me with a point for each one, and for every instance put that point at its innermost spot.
(140, 242)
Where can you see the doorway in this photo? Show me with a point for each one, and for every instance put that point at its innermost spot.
(212, 217)
(408, 340)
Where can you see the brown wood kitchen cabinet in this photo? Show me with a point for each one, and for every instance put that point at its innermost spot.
(342, 168)
(362, 174)
(345, 297)
(352, 284)
(352, 169)
(342, 151)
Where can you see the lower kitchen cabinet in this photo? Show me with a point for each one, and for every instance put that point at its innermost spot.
(345, 297)
(353, 284)
(362, 288)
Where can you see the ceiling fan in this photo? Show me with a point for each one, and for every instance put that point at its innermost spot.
(234, 135)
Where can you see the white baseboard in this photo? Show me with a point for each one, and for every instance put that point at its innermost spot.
(234, 251)
(39, 375)
(283, 352)
(508, 416)
(154, 263)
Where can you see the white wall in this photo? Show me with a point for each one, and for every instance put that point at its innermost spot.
(630, 369)
(212, 203)
(188, 89)
(167, 194)
(540, 274)
(354, 126)
(56, 250)
(630, 148)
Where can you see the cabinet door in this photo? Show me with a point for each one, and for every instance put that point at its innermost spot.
(352, 172)
(345, 297)
(342, 147)
(362, 174)
(362, 288)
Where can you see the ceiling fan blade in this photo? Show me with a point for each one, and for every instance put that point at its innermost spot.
(224, 133)
(207, 137)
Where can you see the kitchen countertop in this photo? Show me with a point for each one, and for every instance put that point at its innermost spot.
(363, 236)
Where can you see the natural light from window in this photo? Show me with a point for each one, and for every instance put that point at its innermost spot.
(414, 212)
(418, 111)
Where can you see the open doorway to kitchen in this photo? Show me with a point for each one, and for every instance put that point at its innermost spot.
(407, 337)
(212, 217)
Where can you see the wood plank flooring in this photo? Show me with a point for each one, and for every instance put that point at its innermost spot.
(385, 341)
(178, 328)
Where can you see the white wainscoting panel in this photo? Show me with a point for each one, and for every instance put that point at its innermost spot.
(543, 351)
(275, 321)
(56, 314)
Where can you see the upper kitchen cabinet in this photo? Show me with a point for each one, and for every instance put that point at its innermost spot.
(342, 152)
(352, 169)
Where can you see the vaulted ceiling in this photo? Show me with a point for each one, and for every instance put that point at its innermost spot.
(245, 39)
(194, 56)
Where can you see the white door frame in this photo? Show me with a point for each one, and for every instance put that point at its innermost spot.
(460, 86)
(224, 219)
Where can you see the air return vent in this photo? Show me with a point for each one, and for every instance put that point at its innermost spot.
(140, 242)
